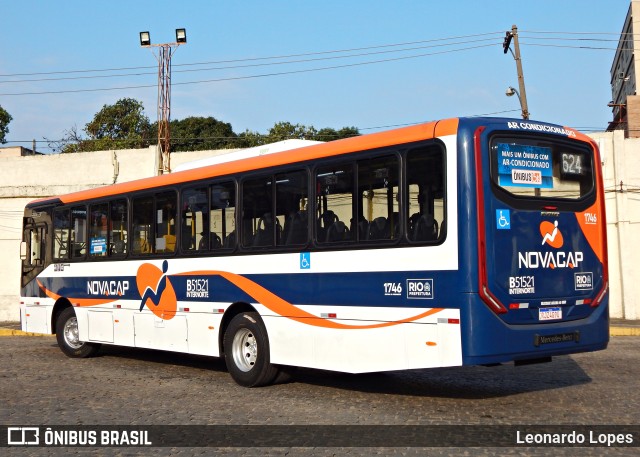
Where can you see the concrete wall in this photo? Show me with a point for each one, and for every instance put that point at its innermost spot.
(26, 178)
(621, 166)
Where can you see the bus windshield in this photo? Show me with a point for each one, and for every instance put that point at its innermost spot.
(526, 167)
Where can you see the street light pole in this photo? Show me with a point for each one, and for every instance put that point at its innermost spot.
(511, 91)
(516, 56)
(165, 51)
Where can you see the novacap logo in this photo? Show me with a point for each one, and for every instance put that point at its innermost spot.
(551, 236)
(156, 290)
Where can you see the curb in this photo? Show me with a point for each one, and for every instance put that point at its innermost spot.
(12, 332)
(624, 331)
(613, 331)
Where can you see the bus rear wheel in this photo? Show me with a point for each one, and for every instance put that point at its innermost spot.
(68, 337)
(246, 351)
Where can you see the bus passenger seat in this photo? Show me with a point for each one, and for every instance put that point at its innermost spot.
(379, 229)
(324, 222)
(337, 232)
(425, 228)
(170, 243)
(230, 240)
(264, 233)
(297, 229)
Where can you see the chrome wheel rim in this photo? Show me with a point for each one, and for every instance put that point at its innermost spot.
(70, 332)
(244, 349)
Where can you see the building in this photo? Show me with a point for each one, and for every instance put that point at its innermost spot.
(625, 103)
(17, 151)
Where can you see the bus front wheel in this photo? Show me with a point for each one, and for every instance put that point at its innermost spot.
(68, 337)
(246, 351)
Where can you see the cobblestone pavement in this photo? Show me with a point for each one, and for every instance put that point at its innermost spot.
(40, 386)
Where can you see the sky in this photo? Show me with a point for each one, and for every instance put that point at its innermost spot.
(371, 64)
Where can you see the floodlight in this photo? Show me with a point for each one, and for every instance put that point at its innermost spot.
(145, 39)
(181, 35)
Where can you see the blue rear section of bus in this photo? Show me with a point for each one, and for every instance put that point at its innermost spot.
(531, 328)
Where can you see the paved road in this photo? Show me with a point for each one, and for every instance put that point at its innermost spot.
(40, 386)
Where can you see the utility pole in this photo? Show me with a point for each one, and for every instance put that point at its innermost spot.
(513, 34)
(165, 51)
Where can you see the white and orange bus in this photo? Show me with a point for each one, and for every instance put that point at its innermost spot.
(459, 242)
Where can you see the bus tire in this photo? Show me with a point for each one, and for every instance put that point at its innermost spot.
(67, 336)
(246, 351)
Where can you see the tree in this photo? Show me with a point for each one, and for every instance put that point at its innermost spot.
(329, 134)
(72, 141)
(249, 139)
(5, 118)
(122, 125)
(286, 131)
(199, 134)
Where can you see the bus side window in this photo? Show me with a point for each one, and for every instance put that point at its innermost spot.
(142, 213)
(378, 181)
(78, 232)
(165, 236)
(425, 194)
(223, 232)
(259, 226)
(195, 220)
(98, 224)
(61, 234)
(291, 207)
(335, 220)
(118, 228)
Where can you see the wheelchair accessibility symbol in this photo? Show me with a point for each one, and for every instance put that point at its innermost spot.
(503, 219)
(305, 260)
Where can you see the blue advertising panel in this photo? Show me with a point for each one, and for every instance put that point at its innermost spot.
(521, 165)
(98, 246)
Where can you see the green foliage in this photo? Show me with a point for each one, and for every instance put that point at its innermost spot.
(329, 134)
(5, 118)
(199, 134)
(124, 125)
(286, 131)
(119, 126)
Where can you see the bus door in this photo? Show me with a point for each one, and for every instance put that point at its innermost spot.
(544, 253)
(33, 253)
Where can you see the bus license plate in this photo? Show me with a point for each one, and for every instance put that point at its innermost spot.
(549, 314)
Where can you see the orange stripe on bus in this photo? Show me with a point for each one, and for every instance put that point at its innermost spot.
(267, 298)
(334, 148)
(286, 309)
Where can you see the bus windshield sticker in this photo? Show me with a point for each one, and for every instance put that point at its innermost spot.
(521, 165)
(98, 245)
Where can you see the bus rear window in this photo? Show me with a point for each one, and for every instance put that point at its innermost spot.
(542, 169)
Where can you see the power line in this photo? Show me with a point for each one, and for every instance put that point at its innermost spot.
(288, 62)
(229, 67)
(564, 32)
(236, 78)
(573, 47)
(249, 59)
(335, 51)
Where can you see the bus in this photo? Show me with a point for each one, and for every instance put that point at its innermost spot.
(465, 241)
